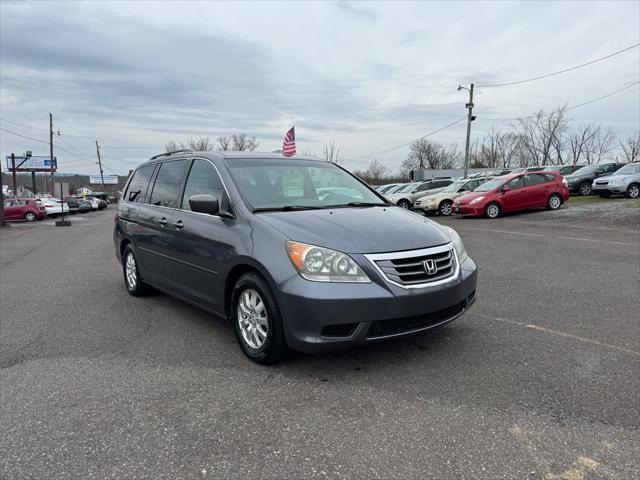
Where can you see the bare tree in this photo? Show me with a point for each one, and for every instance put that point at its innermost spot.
(509, 147)
(171, 146)
(600, 146)
(424, 153)
(375, 174)
(332, 153)
(224, 143)
(631, 148)
(238, 142)
(543, 136)
(580, 141)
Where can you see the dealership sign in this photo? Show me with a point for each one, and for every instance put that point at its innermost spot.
(36, 164)
(108, 179)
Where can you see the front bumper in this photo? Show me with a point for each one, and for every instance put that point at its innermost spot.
(322, 317)
(615, 188)
(468, 210)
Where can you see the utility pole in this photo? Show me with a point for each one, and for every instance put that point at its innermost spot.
(470, 118)
(13, 169)
(100, 165)
(51, 151)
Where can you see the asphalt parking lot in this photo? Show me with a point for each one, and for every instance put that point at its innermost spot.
(539, 380)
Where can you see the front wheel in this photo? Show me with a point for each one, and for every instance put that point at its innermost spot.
(256, 319)
(445, 208)
(633, 190)
(554, 202)
(30, 217)
(492, 210)
(585, 188)
(404, 204)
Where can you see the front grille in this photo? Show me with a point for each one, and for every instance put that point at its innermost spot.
(385, 328)
(412, 270)
(602, 182)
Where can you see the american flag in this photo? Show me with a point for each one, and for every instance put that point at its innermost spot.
(289, 145)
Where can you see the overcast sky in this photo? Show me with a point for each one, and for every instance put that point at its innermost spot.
(369, 76)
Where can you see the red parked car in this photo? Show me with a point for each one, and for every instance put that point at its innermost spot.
(512, 193)
(28, 209)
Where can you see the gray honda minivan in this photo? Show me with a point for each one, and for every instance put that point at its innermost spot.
(296, 253)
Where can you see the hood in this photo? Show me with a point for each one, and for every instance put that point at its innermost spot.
(467, 197)
(359, 230)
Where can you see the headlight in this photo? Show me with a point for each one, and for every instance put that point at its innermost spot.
(320, 264)
(457, 243)
(476, 200)
(617, 181)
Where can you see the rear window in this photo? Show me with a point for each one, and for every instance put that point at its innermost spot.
(138, 185)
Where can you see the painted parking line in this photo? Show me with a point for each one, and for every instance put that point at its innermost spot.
(600, 241)
(561, 334)
(541, 235)
(501, 231)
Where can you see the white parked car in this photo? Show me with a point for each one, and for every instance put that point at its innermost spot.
(54, 207)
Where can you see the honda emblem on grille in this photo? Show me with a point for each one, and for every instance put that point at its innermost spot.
(430, 266)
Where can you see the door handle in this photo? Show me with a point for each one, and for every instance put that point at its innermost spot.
(163, 221)
(179, 225)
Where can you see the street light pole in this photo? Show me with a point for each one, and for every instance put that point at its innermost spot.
(470, 118)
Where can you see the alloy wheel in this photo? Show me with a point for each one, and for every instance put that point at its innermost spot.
(493, 210)
(30, 216)
(130, 271)
(445, 208)
(252, 318)
(633, 191)
(554, 202)
(585, 189)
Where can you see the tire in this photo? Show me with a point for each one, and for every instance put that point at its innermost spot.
(633, 191)
(554, 202)
(256, 320)
(30, 217)
(404, 204)
(492, 210)
(584, 188)
(445, 208)
(132, 279)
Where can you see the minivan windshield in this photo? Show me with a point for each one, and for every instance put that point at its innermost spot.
(268, 184)
(490, 185)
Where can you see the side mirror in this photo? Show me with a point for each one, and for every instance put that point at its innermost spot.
(414, 191)
(204, 204)
(505, 189)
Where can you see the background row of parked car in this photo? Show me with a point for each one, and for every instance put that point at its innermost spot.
(32, 209)
(492, 193)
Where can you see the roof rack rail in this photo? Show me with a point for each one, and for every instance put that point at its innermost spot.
(166, 154)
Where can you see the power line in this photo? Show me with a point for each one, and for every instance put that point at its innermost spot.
(22, 126)
(588, 102)
(504, 84)
(407, 143)
(24, 136)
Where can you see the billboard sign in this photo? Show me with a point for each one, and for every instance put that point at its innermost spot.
(108, 179)
(37, 164)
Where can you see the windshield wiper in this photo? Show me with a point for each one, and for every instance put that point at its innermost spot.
(358, 204)
(286, 208)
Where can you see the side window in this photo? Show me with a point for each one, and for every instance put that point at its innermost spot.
(534, 179)
(441, 184)
(138, 185)
(424, 186)
(168, 184)
(203, 180)
(515, 183)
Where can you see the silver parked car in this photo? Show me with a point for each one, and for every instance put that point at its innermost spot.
(625, 181)
(406, 196)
